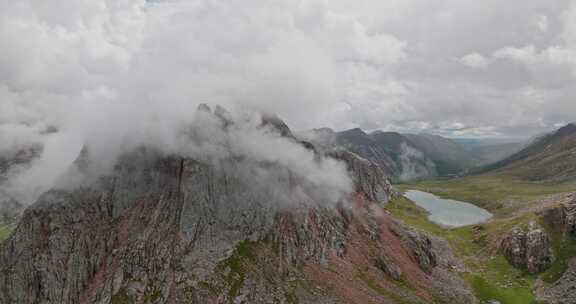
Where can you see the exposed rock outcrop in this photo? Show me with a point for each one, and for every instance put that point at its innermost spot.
(562, 217)
(167, 229)
(168, 233)
(528, 248)
(368, 177)
(568, 210)
(563, 291)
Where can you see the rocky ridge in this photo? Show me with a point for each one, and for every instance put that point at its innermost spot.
(562, 219)
(171, 229)
(528, 248)
(562, 291)
(403, 156)
(549, 158)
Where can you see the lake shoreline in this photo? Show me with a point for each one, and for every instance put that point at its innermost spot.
(448, 213)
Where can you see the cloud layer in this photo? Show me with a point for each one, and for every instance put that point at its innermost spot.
(111, 73)
(377, 64)
(132, 64)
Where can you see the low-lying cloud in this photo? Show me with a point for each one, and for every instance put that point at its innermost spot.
(110, 75)
(107, 75)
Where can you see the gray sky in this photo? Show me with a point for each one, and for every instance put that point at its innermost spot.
(104, 70)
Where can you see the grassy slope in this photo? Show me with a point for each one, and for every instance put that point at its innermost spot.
(489, 274)
(503, 195)
(499, 194)
(4, 231)
(564, 249)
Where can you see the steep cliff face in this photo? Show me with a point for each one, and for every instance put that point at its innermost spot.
(528, 247)
(568, 216)
(561, 220)
(561, 291)
(561, 215)
(368, 177)
(169, 229)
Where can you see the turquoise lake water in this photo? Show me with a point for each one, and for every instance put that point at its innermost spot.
(447, 212)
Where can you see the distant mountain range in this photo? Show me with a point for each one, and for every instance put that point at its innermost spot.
(490, 150)
(415, 156)
(550, 158)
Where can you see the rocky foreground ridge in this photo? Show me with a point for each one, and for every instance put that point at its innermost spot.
(528, 248)
(546, 245)
(562, 220)
(172, 229)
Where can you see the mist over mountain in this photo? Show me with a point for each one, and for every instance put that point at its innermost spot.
(491, 150)
(491, 153)
(264, 152)
(230, 221)
(405, 156)
(550, 157)
(450, 157)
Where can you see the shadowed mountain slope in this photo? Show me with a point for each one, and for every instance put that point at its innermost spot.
(404, 156)
(450, 158)
(491, 153)
(550, 158)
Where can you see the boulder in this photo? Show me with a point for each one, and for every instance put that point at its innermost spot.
(528, 248)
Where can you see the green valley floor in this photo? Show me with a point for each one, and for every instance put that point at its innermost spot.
(513, 203)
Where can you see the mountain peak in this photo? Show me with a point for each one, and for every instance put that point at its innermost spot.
(389, 138)
(354, 132)
(325, 130)
(277, 124)
(388, 133)
(568, 129)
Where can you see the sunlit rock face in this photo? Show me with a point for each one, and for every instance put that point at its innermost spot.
(172, 229)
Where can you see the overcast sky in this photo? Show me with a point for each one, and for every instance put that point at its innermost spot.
(488, 68)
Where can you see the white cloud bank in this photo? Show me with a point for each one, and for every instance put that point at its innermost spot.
(113, 73)
(474, 60)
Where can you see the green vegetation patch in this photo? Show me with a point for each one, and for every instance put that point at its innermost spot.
(403, 209)
(488, 290)
(498, 280)
(5, 231)
(152, 295)
(121, 297)
(499, 194)
(490, 276)
(564, 249)
(468, 241)
(234, 267)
